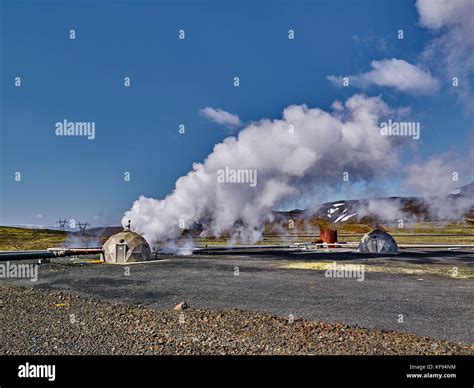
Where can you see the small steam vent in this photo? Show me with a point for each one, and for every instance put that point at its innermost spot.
(126, 247)
(378, 241)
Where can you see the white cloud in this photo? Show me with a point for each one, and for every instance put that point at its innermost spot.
(452, 51)
(222, 117)
(436, 14)
(394, 73)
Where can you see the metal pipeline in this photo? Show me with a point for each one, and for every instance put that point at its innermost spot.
(48, 253)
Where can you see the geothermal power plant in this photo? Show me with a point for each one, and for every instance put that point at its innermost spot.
(130, 246)
(127, 246)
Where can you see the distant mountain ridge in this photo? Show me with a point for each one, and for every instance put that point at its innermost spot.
(379, 209)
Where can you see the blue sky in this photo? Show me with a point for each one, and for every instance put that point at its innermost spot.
(171, 80)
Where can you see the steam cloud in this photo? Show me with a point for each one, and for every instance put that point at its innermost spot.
(433, 179)
(306, 149)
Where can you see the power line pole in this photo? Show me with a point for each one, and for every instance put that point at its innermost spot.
(82, 227)
(61, 223)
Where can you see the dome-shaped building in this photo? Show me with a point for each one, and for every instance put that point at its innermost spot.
(378, 241)
(126, 247)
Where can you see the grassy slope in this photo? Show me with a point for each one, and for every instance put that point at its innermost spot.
(20, 238)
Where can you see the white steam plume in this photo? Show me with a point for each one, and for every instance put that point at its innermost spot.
(307, 148)
(437, 177)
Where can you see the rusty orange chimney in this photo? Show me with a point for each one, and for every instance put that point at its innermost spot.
(328, 235)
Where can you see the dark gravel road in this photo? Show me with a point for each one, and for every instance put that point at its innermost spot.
(430, 306)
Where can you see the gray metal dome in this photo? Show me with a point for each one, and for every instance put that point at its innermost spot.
(126, 247)
(378, 241)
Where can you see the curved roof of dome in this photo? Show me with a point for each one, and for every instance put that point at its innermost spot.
(378, 241)
(127, 236)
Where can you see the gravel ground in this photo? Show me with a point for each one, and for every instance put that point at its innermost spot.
(37, 321)
(432, 306)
